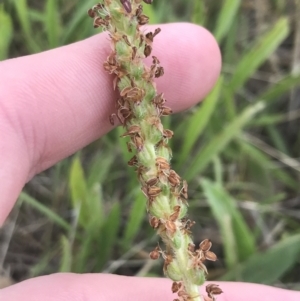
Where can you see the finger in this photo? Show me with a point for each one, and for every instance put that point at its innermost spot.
(59, 101)
(92, 287)
(67, 96)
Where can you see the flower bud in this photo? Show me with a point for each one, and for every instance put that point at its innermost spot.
(196, 276)
(172, 271)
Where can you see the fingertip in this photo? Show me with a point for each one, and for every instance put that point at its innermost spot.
(191, 58)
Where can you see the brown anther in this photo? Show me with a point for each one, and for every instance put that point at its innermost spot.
(155, 60)
(134, 52)
(148, 1)
(168, 259)
(125, 112)
(133, 161)
(97, 22)
(155, 254)
(156, 31)
(159, 72)
(152, 182)
(111, 59)
(204, 253)
(147, 50)
(115, 82)
(111, 119)
(184, 189)
(205, 245)
(168, 134)
(139, 10)
(213, 289)
(191, 247)
(162, 163)
(143, 19)
(154, 222)
(187, 224)
(127, 5)
(125, 38)
(132, 130)
(91, 13)
(174, 216)
(165, 111)
(174, 178)
(141, 170)
(100, 22)
(170, 226)
(153, 191)
(138, 142)
(129, 147)
(176, 287)
(159, 100)
(141, 40)
(133, 94)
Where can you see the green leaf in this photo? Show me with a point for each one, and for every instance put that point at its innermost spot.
(199, 13)
(109, 235)
(78, 189)
(219, 142)
(22, 10)
(237, 238)
(66, 258)
(226, 18)
(52, 23)
(136, 217)
(268, 267)
(6, 33)
(199, 120)
(261, 51)
(80, 24)
(44, 210)
(277, 90)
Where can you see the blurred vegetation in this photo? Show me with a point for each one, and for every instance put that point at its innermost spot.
(239, 151)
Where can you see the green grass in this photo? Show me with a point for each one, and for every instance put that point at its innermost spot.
(241, 189)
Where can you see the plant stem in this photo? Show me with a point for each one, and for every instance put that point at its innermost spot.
(139, 109)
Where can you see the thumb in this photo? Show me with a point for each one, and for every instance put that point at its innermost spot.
(95, 287)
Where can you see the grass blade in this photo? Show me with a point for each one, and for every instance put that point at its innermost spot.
(277, 90)
(269, 266)
(226, 18)
(219, 142)
(52, 23)
(235, 232)
(199, 120)
(6, 33)
(23, 16)
(79, 192)
(44, 210)
(109, 235)
(66, 259)
(262, 50)
(135, 220)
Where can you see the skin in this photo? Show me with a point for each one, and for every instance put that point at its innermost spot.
(56, 102)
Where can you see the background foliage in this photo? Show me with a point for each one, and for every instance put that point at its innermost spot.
(239, 151)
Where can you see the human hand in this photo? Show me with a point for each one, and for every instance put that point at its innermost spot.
(56, 102)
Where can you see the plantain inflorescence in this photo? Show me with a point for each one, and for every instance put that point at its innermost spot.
(139, 109)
